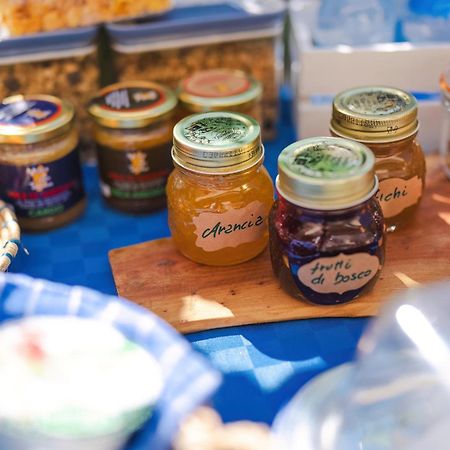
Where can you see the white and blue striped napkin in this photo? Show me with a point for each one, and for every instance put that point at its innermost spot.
(189, 381)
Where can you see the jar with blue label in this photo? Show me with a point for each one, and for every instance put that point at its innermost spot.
(40, 173)
(327, 231)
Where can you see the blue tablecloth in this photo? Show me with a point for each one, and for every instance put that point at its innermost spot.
(263, 365)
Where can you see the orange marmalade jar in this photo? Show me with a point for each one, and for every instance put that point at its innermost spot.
(220, 194)
(385, 119)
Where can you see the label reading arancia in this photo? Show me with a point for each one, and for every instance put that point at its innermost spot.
(339, 274)
(216, 231)
(397, 194)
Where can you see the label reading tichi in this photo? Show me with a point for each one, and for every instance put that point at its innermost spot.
(396, 194)
(216, 231)
(339, 274)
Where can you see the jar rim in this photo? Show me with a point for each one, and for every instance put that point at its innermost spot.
(370, 113)
(218, 89)
(132, 104)
(28, 119)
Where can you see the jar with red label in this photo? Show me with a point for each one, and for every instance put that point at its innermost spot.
(221, 90)
(220, 194)
(327, 231)
(40, 173)
(385, 119)
(133, 132)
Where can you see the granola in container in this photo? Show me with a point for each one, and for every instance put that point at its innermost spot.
(64, 64)
(20, 17)
(230, 35)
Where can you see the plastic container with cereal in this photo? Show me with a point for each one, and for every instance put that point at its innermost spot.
(59, 63)
(230, 35)
(31, 16)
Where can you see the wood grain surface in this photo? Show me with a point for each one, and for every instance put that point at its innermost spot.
(194, 297)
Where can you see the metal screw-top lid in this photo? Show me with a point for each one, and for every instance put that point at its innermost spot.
(218, 90)
(132, 104)
(374, 114)
(326, 173)
(27, 119)
(217, 143)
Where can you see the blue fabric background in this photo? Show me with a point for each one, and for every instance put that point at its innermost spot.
(263, 365)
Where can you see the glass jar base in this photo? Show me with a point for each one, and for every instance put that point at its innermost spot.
(52, 222)
(137, 207)
(221, 262)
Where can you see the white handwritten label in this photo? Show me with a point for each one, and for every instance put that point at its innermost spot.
(396, 194)
(216, 231)
(339, 274)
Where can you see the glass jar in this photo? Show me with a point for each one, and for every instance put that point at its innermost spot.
(385, 119)
(219, 194)
(326, 228)
(221, 90)
(445, 134)
(40, 173)
(133, 132)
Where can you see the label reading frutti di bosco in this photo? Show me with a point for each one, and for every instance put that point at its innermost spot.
(216, 231)
(396, 194)
(339, 274)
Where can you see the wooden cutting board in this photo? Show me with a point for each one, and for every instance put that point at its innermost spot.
(194, 297)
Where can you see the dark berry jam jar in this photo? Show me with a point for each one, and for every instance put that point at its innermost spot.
(327, 230)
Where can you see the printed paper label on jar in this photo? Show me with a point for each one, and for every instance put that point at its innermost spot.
(339, 274)
(216, 231)
(42, 190)
(397, 194)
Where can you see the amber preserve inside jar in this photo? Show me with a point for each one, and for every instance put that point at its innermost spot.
(40, 173)
(221, 90)
(133, 132)
(219, 194)
(326, 228)
(385, 119)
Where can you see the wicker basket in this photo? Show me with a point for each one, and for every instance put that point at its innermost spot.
(9, 236)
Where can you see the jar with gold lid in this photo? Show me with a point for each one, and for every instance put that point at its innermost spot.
(40, 173)
(326, 228)
(221, 90)
(133, 132)
(219, 194)
(385, 119)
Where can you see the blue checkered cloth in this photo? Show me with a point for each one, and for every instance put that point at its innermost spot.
(189, 380)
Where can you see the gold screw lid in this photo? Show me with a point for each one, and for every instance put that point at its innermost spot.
(27, 119)
(326, 173)
(218, 89)
(374, 114)
(217, 142)
(131, 104)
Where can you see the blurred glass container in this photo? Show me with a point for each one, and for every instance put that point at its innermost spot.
(427, 21)
(352, 22)
(234, 35)
(63, 64)
(445, 134)
(396, 396)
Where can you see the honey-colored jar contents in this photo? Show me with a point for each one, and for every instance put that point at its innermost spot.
(385, 119)
(219, 195)
(40, 173)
